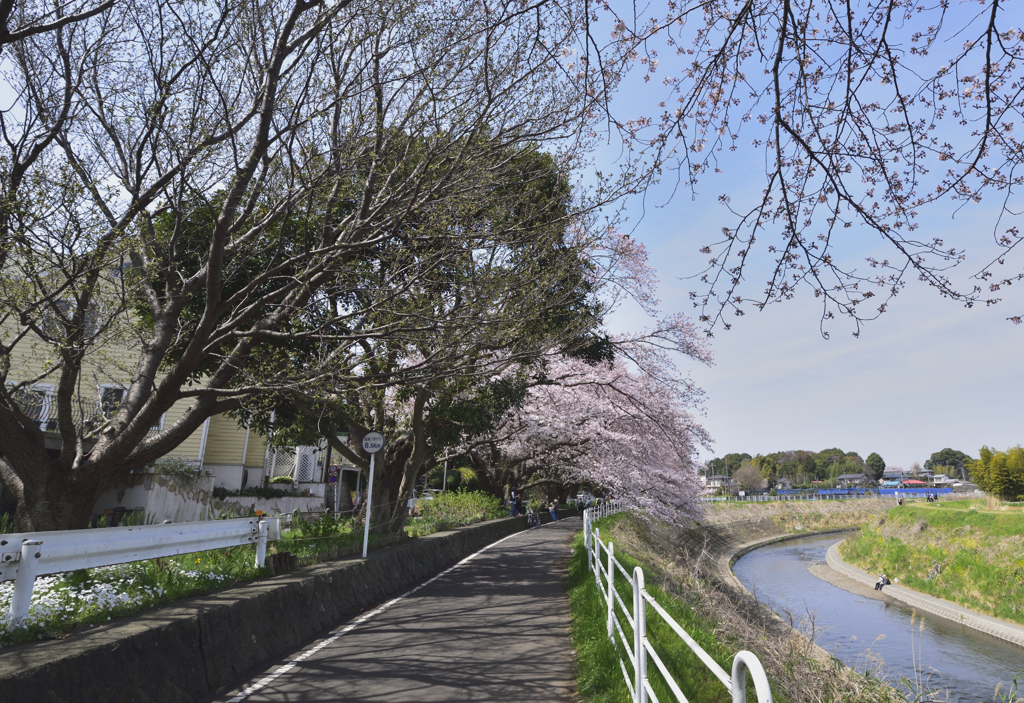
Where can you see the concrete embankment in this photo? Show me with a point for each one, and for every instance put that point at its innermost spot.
(1007, 631)
(193, 648)
(727, 541)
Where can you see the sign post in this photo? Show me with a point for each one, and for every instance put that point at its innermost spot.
(332, 473)
(372, 443)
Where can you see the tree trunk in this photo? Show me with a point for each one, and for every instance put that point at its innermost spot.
(49, 504)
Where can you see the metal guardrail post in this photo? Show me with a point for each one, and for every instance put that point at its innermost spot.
(587, 537)
(261, 545)
(611, 589)
(21, 599)
(639, 636)
(743, 662)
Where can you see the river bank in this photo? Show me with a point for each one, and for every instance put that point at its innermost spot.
(926, 658)
(693, 566)
(964, 553)
(1007, 631)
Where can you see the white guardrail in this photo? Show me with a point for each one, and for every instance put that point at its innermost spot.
(639, 649)
(27, 555)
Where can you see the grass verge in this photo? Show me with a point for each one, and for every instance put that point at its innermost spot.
(599, 673)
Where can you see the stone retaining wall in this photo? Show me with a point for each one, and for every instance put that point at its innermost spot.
(194, 648)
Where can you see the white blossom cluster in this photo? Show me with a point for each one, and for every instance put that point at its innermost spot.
(61, 601)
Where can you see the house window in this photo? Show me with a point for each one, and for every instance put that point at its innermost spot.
(36, 403)
(111, 398)
(56, 318)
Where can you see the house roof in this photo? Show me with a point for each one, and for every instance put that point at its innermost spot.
(852, 477)
(913, 482)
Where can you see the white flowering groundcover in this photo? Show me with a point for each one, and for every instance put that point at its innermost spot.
(63, 601)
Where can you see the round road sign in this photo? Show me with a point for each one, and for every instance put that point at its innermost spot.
(373, 442)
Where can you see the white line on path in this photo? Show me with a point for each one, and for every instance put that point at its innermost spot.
(288, 666)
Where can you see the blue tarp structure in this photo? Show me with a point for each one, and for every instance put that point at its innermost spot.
(916, 492)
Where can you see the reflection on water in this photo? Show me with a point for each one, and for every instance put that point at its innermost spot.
(964, 665)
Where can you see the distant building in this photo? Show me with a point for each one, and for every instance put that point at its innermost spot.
(853, 480)
(784, 484)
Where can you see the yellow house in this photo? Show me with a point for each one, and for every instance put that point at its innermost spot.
(226, 455)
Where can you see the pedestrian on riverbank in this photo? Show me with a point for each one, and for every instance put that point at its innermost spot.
(520, 510)
(553, 508)
(880, 582)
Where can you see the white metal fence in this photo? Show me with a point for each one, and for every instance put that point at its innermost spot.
(640, 651)
(27, 555)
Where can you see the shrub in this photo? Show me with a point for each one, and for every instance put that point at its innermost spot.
(220, 493)
(283, 479)
(325, 525)
(180, 466)
(463, 507)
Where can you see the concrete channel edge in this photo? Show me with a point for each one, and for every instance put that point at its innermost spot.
(192, 649)
(730, 557)
(1006, 631)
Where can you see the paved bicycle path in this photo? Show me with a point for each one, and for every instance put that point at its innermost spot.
(494, 628)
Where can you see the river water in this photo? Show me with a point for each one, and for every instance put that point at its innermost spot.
(944, 659)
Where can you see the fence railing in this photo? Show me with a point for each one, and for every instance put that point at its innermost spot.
(632, 619)
(27, 555)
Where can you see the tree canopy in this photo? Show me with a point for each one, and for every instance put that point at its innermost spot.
(253, 198)
(1000, 473)
(955, 462)
(876, 464)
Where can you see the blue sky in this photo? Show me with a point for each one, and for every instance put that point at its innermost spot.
(927, 374)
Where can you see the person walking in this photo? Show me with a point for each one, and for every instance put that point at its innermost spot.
(512, 502)
(553, 508)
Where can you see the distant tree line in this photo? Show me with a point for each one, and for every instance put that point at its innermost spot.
(803, 467)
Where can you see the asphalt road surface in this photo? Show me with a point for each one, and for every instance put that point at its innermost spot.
(493, 628)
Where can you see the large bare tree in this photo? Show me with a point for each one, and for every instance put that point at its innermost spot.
(207, 185)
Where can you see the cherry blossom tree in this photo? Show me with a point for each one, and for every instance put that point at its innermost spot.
(866, 116)
(624, 429)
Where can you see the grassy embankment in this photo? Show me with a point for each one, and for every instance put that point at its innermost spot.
(794, 517)
(682, 576)
(964, 552)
